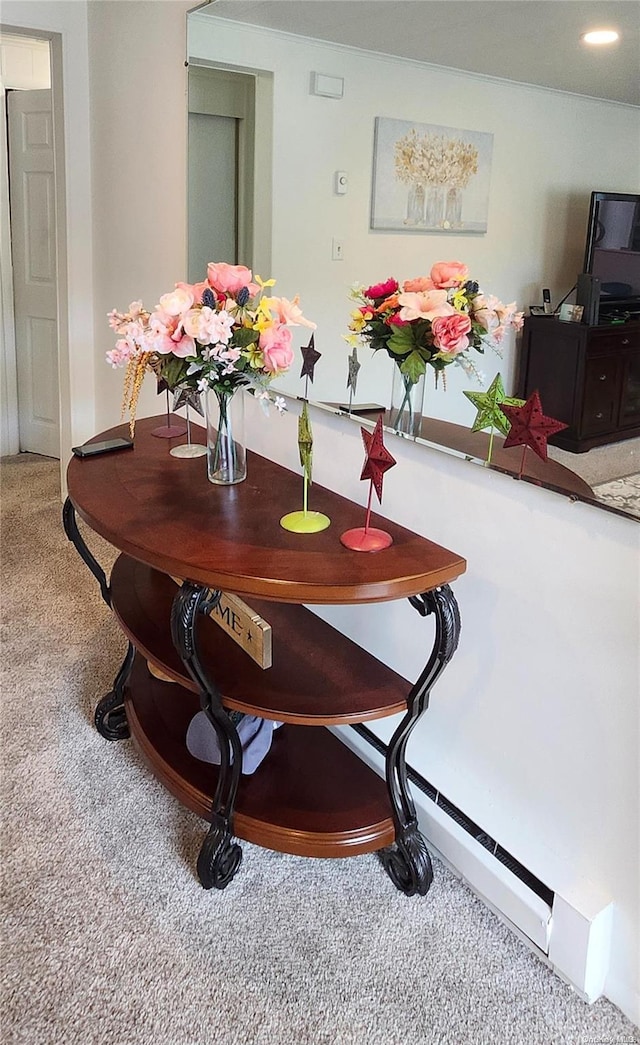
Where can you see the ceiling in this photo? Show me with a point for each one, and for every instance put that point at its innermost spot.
(529, 41)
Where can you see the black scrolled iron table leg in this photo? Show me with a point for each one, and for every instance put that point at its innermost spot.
(407, 862)
(220, 857)
(73, 533)
(110, 717)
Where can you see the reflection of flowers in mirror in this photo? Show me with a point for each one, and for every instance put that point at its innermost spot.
(431, 321)
(222, 334)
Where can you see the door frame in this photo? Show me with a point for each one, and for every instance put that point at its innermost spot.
(9, 366)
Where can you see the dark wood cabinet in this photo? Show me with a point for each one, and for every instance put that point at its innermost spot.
(588, 377)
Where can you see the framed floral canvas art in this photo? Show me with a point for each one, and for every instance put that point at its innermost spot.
(428, 178)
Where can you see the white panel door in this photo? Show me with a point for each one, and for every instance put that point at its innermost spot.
(33, 230)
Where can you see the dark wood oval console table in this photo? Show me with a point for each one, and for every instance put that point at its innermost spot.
(311, 795)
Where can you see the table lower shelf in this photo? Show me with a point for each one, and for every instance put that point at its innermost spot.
(310, 797)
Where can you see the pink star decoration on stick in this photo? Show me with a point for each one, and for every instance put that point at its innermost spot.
(377, 461)
(530, 427)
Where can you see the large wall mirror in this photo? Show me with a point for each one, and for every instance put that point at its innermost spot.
(264, 149)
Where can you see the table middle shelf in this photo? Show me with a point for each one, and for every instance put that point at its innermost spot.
(318, 676)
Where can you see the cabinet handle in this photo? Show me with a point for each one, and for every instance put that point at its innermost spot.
(603, 377)
(625, 341)
(599, 416)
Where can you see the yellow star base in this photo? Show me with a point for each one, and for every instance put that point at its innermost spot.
(305, 522)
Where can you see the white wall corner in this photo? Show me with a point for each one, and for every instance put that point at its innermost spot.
(580, 941)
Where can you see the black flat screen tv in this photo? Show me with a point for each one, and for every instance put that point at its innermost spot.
(613, 247)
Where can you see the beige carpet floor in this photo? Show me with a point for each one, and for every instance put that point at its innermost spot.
(602, 464)
(108, 938)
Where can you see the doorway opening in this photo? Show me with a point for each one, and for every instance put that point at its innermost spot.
(32, 233)
(228, 205)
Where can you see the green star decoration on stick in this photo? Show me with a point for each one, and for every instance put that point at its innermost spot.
(489, 414)
(305, 446)
(305, 521)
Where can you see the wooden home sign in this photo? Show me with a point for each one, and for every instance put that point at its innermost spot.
(244, 626)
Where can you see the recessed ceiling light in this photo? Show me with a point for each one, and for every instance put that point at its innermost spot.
(600, 36)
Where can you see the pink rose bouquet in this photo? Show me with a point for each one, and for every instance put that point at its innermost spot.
(220, 334)
(431, 320)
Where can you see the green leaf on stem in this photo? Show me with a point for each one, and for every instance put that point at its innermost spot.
(413, 367)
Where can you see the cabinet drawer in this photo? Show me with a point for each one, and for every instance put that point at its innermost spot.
(618, 339)
(601, 395)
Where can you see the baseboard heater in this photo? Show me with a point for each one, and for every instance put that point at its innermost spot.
(570, 933)
(519, 870)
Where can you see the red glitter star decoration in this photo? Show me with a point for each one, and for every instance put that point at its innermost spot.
(529, 426)
(378, 459)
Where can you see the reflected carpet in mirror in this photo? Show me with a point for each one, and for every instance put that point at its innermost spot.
(621, 493)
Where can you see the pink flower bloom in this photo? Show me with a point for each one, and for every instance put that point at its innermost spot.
(509, 317)
(275, 343)
(396, 321)
(426, 305)
(447, 274)
(416, 286)
(450, 333)
(195, 289)
(120, 355)
(176, 301)
(166, 334)
(115, 318)
(485, 311)
(382, 290)
(290, 312)
(229, 279)
(179, 344)
(183, 345)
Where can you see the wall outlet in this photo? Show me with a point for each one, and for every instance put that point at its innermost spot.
(337, 249)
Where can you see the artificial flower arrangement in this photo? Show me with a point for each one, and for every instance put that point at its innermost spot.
(432, 321)
(221, 334)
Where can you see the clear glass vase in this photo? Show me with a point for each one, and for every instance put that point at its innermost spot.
(434, 216)
(453, 209)
(415, 205)
(226, 450)
(407, 403)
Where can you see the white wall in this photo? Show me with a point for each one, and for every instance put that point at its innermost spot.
(139, 139)
(550, 151)
(533, 728)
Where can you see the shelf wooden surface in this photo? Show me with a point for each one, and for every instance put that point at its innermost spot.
(311, 796)
(318, 676)
(163, 511)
